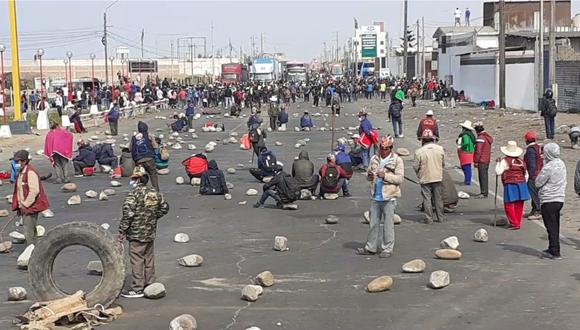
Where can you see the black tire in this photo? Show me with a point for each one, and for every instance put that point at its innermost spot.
(87, 234)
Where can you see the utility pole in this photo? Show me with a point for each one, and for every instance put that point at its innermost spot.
(423, 67)
(104, 40)
(261, 42)
(325, 59)
(405, 50)
(502, 54)
(552, 67)
(541, 51)
(336, 46)
(417, 55)
(191, 57)
(253, 47)
(212, 54)
(172, 60)
(142, 37)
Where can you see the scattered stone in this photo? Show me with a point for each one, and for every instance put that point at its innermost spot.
(9, 199)
(109, 192)
(290, 207)
(106, 168)
(95, 267)
(74, 200)
(176, 146)
(463, 195)
(191, 147)
(234, 134)
(366, 217)
(163, 171)
(40, 152)
(331, 196)
(17, 238)
(105, 226)
(181, 238)
(227, 197)
(243, 203)
(192, 260)
(194, 136)
(4, 213)
(264, 279)
(40, 231)
(278, 143)
(439, 279)
(397, 219)
(280, 243)
(297, 129)
(414, 266)
(380, 284)
(209, 147)
(301, 142)
(232, 140)
(305, 194)
(47, 213)
(451, 242)
(103, 196)
(481, 235)
(91, 194)
(116, 183)
(251, 292)
(154, 291)
(183, 322)
(231, 170)
(196, 182)
(448, 254)
(5, 247)
(23, 258)
(331, 219)
(240, 165)
(16, 293)
(403, 152)
(251, 192)
(297, 146)
(69, 187)
(230, 185)
(175, 134)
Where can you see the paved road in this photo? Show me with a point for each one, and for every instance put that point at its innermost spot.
(320, 282)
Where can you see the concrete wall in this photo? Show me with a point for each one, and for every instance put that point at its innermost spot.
(478, 82)
(520, 86)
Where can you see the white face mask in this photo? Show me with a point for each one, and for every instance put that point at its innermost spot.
(133, 184)
(360, 119)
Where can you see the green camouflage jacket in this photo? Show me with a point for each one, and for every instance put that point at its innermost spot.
(142, 208)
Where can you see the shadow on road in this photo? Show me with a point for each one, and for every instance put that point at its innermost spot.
(520, 249)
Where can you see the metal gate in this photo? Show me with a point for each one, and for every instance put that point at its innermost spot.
(568, 79)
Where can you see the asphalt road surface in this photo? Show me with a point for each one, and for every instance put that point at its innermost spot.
(320, 282)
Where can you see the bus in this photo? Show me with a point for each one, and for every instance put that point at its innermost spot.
(296, 71)
(336, 70)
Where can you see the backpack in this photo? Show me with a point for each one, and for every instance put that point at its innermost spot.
(289, 189)
(214, 186)
(254, 135)
(395, 110)
(330, 178)
(551, 108)
(163, 153)
(270, 160)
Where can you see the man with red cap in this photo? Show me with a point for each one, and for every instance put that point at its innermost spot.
(534, 163)
(482, 158)
(386, 173)
(429, 162)
(429, 122)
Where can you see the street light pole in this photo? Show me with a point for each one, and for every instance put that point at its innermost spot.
(2, 85)
(40, 52)
(104, 40)
(69, 55)
(66, 76)
(112, 58)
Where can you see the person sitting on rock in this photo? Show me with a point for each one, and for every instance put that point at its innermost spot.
(332, 178)
(266, 161)
(195, 165)
(574, 136)
(343, 160)
(356, 153)
(84, 160)
(283, 188)
(161, 155)
(306, 122)
(180, 124)
(106, 156)
(127, 163)
(303, 172)
(213, 181)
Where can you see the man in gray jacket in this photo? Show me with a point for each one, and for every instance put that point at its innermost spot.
(303, 172)
(551, 183)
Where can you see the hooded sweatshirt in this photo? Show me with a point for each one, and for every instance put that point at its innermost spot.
(213, 181)
(303, 169)
(143, 145)
(551, 181)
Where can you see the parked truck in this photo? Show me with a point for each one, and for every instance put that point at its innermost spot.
(234, 73)
(296, 71)
(265, 69)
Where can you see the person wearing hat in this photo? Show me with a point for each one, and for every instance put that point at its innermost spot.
(105, 155)
(396, 114)
(306, 123)
(28, 198)
(512, 170)
(356, 153)
(466, 150)
(283, 188)
(343, 159)
(367, 135)
(482, 158)
(143, 146)
(333, 178)
(430, 123)
(142, 207)
(58, 147)
(386, 174)
(534, 162)
(85, 159)
(551, 183)
(548, 110)
(273, 112)
(113, 118)
(429, 163)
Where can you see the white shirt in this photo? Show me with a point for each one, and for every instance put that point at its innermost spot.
(457, 13)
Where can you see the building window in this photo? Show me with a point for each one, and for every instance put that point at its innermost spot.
(382, 42)
(382, 51)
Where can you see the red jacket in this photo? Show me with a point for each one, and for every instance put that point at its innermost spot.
(516, 172)
(341, 174)
(428, 123)
(483, 148)
(41, 202)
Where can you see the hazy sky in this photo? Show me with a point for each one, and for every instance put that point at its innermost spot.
(296, 28)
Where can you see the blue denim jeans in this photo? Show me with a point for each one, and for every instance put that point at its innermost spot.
(381, 213)
(397, 126)
(550, 123)
(366, 157)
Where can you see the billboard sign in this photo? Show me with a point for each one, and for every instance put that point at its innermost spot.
(368, 45)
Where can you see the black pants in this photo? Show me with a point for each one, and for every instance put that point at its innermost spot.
(483, 175)
(149, 166)
(110, 161)
(79, 166)
(113, 126)
(316, 99)
(273, 122)
(256, 173)
(535, 198)
(551, 216)
(270, 193)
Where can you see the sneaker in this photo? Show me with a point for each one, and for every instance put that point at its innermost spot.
(258, 205)
(402, 136)
(385, 254)
(132, 294)
(548, 255)
(347, 194)
(364, 252)
(78, 175)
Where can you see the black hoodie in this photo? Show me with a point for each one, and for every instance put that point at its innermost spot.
(213, 181)
(303, 169)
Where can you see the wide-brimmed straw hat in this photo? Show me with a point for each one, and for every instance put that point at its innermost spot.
(467, 124)
(512, 149)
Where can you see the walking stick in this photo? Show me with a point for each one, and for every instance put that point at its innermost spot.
(495, 202)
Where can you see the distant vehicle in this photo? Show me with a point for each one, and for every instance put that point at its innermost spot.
(233, 73)
(53, 85)
(366, 69)
(265, 69)
(336, 70)
(296, 71)
(384, 73)
(316, 67)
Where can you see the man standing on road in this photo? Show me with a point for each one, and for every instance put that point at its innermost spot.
(386, 173)
(430, 123)
(366, 133)
(466, 150)
(429, 162)
(58, 146)
(482, 158)
(142, 207)
(142, 148)
(551, 183)
(534, 163)
(396, 115)
(548, 110)
(28, 198)
(273, 112)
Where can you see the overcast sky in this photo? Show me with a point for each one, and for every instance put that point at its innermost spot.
(296, 28)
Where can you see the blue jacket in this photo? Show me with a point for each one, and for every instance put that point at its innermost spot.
(263, 159)
(141, 145)
(365, 126)
(342, 158)
(283, 117)
(254, 121)
(113, 115)
(190, 111)
(86, 155)
(306, 121)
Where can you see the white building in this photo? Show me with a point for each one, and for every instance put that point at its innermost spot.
(370, 45)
